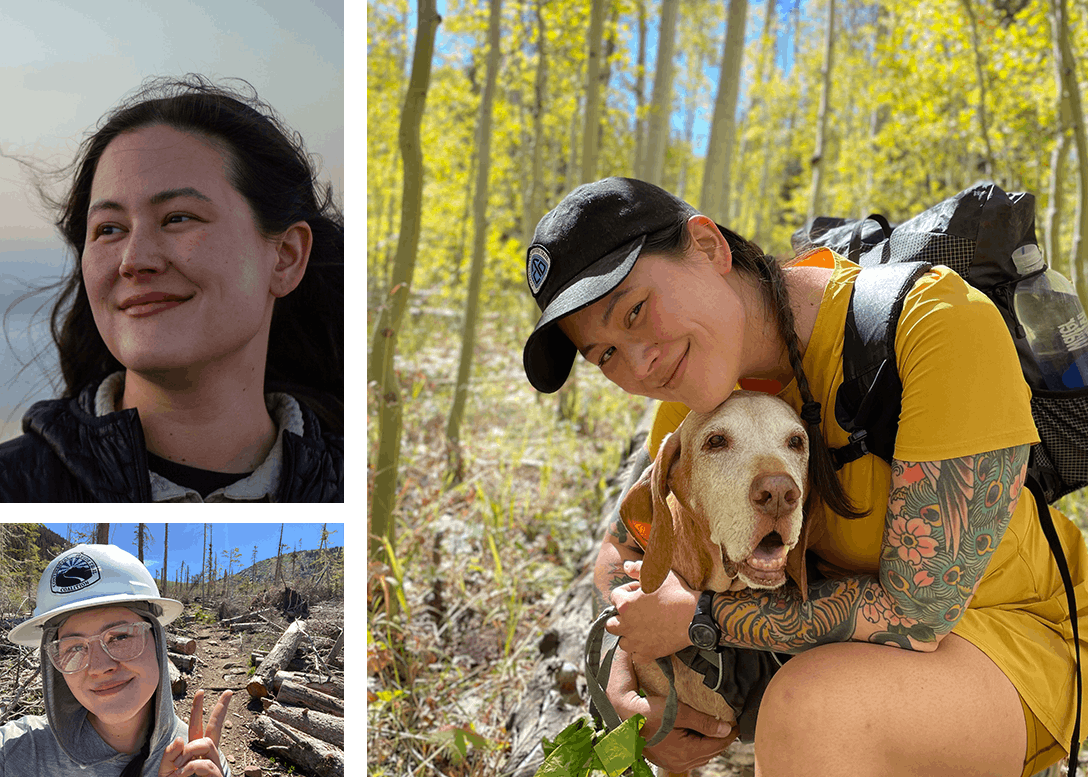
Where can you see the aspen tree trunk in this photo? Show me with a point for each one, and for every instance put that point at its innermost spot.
(534, 207)
(567, 398)
(534, 202)
(755, 114)
(695, 67)
(640, 95)
(661, 105)
(815, 199)
(382, 353)
(1063, 55)
(714, 200)
(1052, 224)
(592, 129)
(472, 303)
(983, 120)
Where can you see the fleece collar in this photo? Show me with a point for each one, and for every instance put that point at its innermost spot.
(259, 486)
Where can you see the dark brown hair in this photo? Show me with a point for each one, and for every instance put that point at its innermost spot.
(749, 260)
(268, 165)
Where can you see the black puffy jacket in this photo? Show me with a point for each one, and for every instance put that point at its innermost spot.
(68, 454)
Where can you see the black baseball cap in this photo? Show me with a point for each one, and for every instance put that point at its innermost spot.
(581, 251)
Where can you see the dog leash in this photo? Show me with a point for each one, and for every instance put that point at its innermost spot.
(598, 671)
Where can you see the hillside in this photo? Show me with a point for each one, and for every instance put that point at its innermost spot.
(303, 565)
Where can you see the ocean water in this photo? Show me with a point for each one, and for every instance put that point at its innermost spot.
(28, 360)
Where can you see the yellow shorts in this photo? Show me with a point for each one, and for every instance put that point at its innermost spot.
(1043, 750)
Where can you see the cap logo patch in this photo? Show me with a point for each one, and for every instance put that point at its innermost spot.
(539, 264)
(75, 573)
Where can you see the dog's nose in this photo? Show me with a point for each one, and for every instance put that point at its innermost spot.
(774, 494)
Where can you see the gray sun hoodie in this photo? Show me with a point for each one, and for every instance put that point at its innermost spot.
(62, 743)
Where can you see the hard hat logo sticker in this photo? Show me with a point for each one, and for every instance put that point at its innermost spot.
(76, 572)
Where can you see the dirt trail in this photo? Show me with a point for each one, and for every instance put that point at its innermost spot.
(221, 666)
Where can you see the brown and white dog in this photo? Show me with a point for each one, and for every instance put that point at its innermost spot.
(723, 506)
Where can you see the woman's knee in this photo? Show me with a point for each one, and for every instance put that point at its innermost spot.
(810, 717)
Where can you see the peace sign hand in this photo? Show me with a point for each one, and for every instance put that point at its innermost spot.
(200, 756)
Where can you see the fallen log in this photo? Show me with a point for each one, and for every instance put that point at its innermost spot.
(301, 696)
(247, 617)
(185, 663)
(310, 753)
(253, 626)
(277, 658)
(551, 701)
(327, 728)
(333, 686)
(298, 663)
(178, 683)
(183, 645)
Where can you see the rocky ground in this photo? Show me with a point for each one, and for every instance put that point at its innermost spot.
(223, 663)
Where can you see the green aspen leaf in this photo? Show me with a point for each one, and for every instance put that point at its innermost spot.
(570, 751)
(620, 748)
(641, 769)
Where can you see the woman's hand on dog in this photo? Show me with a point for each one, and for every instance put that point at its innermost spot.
(694, 741)
(696, 737)
(651, 626)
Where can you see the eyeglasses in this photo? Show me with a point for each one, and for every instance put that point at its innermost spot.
(121, 643)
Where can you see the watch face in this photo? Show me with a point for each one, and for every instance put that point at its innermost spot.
(703, 635)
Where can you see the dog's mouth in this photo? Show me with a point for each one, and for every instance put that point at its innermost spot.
(766, 566)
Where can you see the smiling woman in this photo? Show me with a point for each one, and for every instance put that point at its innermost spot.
(109, 710)
(201, 239)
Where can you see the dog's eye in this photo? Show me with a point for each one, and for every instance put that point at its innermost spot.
(797, 442)
(717, 441)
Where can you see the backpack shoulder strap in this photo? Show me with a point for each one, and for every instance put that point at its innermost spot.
(868, 401)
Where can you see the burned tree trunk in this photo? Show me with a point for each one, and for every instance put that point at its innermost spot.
(323, 683)
(301, 696)
(183, 645)
(327, 728)
(308, 752)
(280, 654)
(556, 693)
(178, 683)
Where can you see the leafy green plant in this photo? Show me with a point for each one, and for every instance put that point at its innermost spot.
(581, 749)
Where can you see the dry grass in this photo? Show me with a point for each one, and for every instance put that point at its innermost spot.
(480, 561)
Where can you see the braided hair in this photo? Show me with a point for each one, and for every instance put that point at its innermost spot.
(749, 260)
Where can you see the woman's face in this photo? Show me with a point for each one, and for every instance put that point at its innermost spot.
(115, 694)
(673, 330)
(175, 268)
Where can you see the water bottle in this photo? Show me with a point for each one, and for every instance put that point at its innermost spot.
(1050, 312)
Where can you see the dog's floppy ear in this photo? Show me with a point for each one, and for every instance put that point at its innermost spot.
(811, 530)
(658, 560)
(637, 508)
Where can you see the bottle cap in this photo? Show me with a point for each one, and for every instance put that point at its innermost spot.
(1028, 259)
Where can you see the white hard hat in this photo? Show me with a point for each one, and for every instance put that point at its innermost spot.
(91, 576)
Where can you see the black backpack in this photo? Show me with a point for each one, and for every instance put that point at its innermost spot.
(974, 233)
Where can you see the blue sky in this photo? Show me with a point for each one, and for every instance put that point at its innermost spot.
(703, 115)
(187, 538)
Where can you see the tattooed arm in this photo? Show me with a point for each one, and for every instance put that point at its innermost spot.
(608, 574)
(944, 521)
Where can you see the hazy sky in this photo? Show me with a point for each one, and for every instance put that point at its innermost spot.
(64, 64)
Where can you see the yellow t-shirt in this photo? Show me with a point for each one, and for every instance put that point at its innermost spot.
(963, 394)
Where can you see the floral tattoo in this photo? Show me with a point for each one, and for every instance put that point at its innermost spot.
(944, 521)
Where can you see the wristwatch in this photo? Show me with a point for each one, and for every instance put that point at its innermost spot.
(703, 631)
